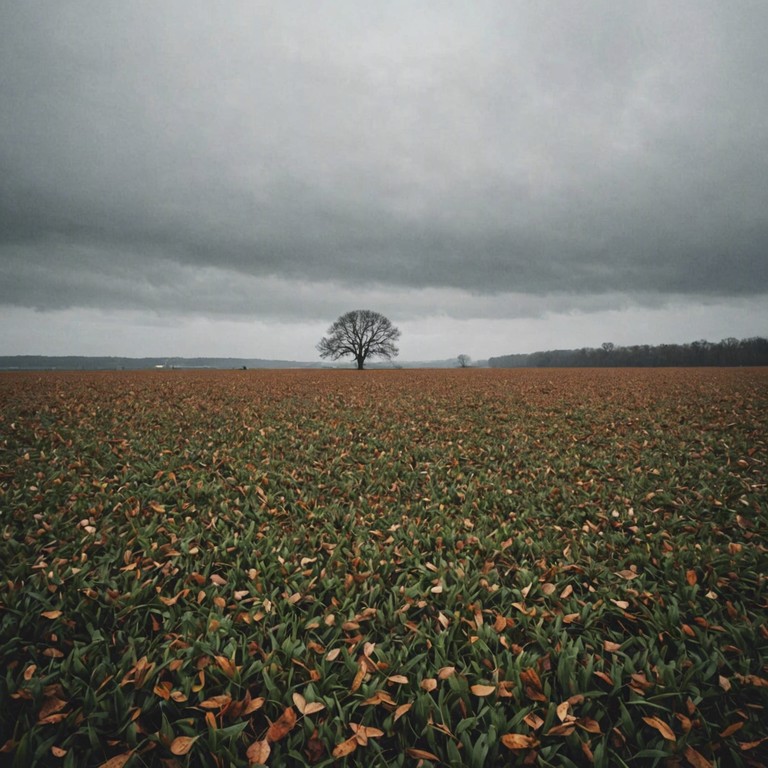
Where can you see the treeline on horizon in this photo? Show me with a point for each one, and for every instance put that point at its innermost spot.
(728, 352)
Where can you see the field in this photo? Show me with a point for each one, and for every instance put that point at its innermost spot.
(469, 567)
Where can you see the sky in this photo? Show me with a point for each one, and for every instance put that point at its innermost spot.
(193, 178)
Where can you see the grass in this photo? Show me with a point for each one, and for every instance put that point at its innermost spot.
(470, 567)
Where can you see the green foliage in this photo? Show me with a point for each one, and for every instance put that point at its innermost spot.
(459, 568)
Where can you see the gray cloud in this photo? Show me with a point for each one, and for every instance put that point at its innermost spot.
(186, 157)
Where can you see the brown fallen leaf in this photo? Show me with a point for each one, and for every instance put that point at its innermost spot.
(50, 706)
(182, 744)
(483, 690)
(305, 707)
(604, 676)
(226, 665)
(362, 671)
(562, 711)
(363, 733)
(421, 754)
(282, 726)
(533, 721)
(589, 725)
(731, 729)
(51, 614)
(747, 745)
(258, 752)
(564, 729)
(345, 748)
(428, 684)
(216, 702)
(661, 727)
(118, 761)
(519, 741)
(401, 710)
(253, 705)
(696, 759)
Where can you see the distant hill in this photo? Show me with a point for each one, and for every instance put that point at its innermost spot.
(728, 352)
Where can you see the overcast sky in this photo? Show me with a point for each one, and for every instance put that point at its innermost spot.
(225, 179)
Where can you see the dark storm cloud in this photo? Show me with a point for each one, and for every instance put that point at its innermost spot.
(496, 147)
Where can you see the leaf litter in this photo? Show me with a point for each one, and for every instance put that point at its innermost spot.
(455, 567)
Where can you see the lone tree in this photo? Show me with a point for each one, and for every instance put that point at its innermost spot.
(362, 334)
(464, 361)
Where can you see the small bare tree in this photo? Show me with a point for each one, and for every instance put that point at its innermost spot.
(361, 334)
(464, 361)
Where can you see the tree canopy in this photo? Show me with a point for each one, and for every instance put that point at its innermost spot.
(360, 334)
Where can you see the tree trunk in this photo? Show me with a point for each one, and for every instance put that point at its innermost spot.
(360, 361)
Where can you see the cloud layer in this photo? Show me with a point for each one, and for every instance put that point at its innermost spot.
(472, 160)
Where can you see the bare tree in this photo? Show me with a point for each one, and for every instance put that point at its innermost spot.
(361, 334)
(464, 361)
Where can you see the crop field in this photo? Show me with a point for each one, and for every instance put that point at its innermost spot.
(384, 568)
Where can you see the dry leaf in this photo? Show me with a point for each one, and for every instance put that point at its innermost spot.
(307, 708)
(365, 732)
(564, 729)
(696, 759)
(421, 754)
(258, 752)
(282, 726)
(589, 725)
(118, 761)
(182, 744)
(661, 727)
(359, 677)
(562, 711)
(428, 684)
(747, 745)
(345, 748)
(216, 702)
(253, 705)
(483, 690)
(226, 665)
(533, 721)
(519, 741)
(731, 729)
(51, 705)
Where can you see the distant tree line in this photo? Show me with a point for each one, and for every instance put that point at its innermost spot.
(728, 352)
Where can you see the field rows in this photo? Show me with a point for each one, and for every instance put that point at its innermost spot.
(470, 567)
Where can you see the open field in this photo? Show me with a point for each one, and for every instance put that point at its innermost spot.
(470, 567)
